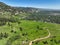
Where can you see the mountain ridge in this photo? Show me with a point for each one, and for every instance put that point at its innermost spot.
(6, 7)
(13, 14)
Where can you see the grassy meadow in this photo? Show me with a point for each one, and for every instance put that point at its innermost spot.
(23, 32)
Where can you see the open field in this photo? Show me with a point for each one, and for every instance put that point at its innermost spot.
(26, 31)
(54, 38)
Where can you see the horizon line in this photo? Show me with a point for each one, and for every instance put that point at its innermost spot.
(31, 6)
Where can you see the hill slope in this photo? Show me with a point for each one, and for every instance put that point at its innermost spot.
(28, 13)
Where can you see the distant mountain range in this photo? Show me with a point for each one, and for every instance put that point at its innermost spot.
(5, 7)
(9, 13)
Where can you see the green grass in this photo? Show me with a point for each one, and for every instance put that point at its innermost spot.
(29, 28)
(55, 31)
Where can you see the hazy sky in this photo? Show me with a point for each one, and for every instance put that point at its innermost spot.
(50, 4)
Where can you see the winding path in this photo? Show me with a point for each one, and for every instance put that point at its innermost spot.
(40, 38)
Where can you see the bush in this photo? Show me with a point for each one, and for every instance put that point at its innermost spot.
(5, 35)
(12, 31)
(1, 35)
(20, 28)
(37, 27)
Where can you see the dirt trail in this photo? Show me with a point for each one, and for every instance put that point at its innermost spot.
(38, 39)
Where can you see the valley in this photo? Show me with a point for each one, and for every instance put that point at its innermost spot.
(29, 26)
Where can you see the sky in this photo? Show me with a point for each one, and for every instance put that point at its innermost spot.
(48, 4)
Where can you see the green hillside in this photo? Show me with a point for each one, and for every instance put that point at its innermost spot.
(9, 13)
(54, 39)
(29, 26)
(25, 31)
